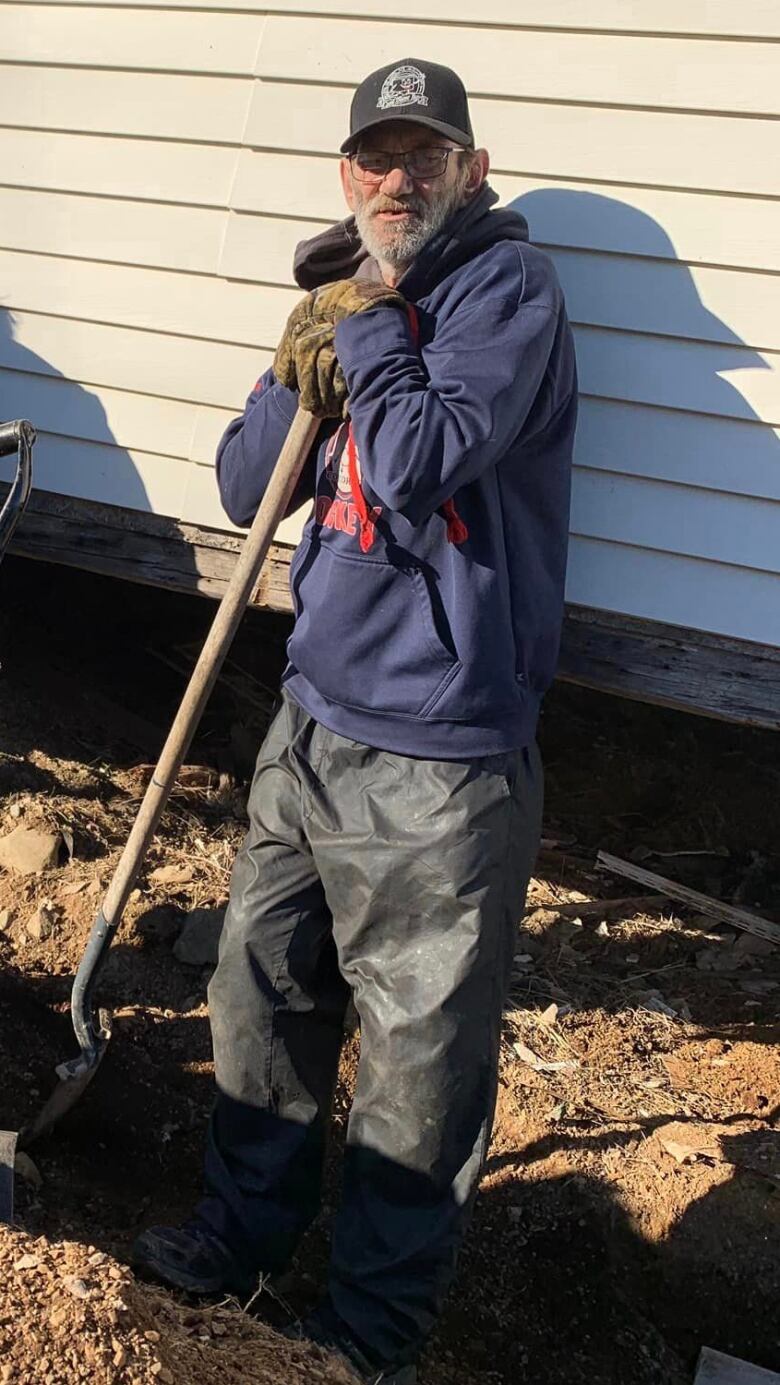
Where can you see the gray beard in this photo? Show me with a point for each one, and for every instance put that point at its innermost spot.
(398, 249)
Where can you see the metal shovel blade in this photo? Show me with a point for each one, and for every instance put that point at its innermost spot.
(74, 1077)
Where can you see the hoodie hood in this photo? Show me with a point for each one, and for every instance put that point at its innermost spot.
(339, 253)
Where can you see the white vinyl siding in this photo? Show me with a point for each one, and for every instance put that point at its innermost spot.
(158, 164)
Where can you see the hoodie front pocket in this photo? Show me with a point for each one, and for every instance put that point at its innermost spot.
(366, 634)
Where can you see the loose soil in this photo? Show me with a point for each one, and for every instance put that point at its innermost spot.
(629, 1211)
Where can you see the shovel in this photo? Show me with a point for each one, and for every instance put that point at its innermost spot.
(93, 1031)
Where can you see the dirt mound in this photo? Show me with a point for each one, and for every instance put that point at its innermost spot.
(71, 1313)
(629, 1211)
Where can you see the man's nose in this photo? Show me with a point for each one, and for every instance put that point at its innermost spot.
(396, 182)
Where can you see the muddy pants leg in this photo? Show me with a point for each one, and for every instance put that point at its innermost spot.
(277, 1003)
(425, 867)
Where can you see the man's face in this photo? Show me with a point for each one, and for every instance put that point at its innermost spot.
(397, 212)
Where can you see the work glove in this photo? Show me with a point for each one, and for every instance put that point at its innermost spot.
(306, 355)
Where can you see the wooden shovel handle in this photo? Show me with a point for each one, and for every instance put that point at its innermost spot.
(272, 510)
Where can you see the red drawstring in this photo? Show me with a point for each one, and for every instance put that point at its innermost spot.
(457, 531)
(367, 528)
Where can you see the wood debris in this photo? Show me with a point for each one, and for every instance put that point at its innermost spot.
(713, 908)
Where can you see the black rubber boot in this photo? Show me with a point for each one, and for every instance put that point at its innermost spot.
(192, 1258)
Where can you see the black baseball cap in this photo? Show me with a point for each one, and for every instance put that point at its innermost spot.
(411, 89)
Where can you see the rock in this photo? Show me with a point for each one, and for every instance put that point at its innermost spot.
(75, 1286)
(160, 924)
(655, 1003)
(719, 959)
(75, 887)
(41, 925)
(198, 943)
(15, 810)
(26, 1169)
(172, 875)
(749, 945)
(27, 1262)
(5, 918)
(758, 986)
(603, 930)
(550, 1015)
(30, 852)
(681, 1154)
(681, 1007)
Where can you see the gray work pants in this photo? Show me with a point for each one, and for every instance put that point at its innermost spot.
(400, 881)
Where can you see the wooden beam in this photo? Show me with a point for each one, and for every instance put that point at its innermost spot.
(144, 548)
(689, 670)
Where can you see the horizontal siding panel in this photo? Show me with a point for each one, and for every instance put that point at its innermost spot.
(753, 19)
(160, 105)
(622, 146)
(689, 449)
(145, 362)
(676, 590)
(716, 305)
(634, 294)
(98, 36)
(135, 233)
(594, 68)
(202, 505)
(639, 221)
(140, 422)
(261, 248)
(694, 376)
(287, 184)
(135, 480)
(685, 226)
(738, 530)
(684, 449)
(92, 471)
(152, 170)
(714, 153)
(155, 300)
(613, 365)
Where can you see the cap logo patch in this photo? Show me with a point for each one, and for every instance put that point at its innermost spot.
(404, 86)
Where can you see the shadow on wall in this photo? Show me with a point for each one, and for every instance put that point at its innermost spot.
(76, 453)
(619, 270)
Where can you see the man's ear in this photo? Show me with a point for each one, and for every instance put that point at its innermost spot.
(479, 167)
(346, 183)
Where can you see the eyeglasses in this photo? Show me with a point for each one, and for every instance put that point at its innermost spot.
(372, 165)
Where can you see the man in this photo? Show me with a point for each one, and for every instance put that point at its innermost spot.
(395, 812)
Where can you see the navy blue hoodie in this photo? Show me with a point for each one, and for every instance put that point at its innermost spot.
(428, 584)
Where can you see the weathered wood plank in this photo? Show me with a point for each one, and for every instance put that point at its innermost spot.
(144, 548)
(688, 670)
(732, 680)
(715, 1368)
(713, 908)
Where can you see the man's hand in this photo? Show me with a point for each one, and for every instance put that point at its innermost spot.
(306, 357)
